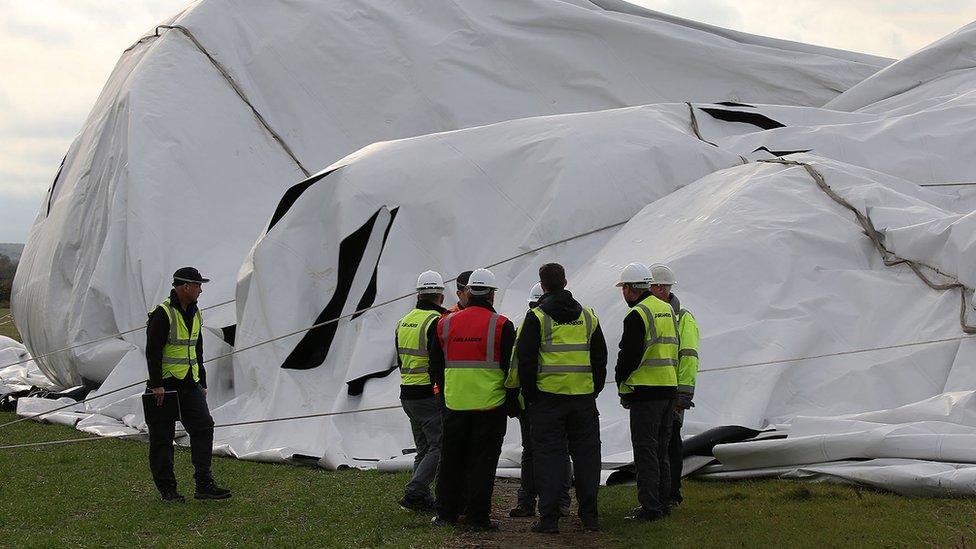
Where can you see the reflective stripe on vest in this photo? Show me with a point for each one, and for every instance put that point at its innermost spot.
(473, 378)
(564, 354)
(412, 346)
(658, 366)
(180, 351)
(687, 352)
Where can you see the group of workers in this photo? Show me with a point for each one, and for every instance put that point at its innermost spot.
(464, 371)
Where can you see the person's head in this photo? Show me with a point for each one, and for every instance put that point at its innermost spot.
(188, 284)
(662, 278)
(481, 286)
(430, 288)
(535, 295)
(634, 281)
(462, 287)
(552, 276)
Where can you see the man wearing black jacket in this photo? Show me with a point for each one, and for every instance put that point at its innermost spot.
(647, 381)
(469, 360)
(174, 356)
(562, 363)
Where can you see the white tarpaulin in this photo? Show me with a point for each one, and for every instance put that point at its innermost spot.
(804, 328)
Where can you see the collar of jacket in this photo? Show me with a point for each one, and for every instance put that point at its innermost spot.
(675, 303)
(642, 297)
(474, 301)
(424, 305)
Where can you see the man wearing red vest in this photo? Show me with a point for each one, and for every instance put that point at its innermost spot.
(470, 360)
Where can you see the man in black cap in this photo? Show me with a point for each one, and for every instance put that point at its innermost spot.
(174, 354)
(462, 291)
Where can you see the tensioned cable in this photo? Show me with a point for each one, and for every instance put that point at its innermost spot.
(103, 338)
(967, 184)
(218, 426)
(394, 407)
(303, 330)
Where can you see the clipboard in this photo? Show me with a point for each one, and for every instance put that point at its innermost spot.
(169, 411)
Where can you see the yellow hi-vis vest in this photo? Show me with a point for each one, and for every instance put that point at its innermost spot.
(687, 352)
(180, 351)
(564, 355)
(411, 336)
(512, 380)
(658, 366)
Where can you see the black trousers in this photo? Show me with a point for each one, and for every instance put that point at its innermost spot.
(676, 459)
(470, 446)
(560, 422)
(196, 419)
(650, 433)
(527, 493)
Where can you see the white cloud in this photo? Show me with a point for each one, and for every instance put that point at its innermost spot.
(888, 28)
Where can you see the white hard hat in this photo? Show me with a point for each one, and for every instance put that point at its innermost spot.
(430, 282)
(661, 274)
(635, 274)
(482, 281)
(536, 293)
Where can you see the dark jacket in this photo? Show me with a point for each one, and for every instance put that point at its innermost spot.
(416, 392)
(629, 357)
(157, 332)
(508, 343)
(562, 307)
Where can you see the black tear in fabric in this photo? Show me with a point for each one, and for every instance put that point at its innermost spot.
(356, 386)
(314, 346)
(291, 195)
(754, 118)
(369, 296)
(54, 184)
(229, 334)
(734, 104)
(781, 153)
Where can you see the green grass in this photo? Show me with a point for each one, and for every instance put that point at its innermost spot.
(100, 494)
(7, 327)
(791, 514)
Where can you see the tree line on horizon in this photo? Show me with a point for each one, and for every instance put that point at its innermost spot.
(7, 269)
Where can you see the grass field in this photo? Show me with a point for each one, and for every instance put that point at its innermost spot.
(7, 327)
(99, 494)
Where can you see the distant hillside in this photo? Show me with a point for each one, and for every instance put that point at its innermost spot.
(12, 251)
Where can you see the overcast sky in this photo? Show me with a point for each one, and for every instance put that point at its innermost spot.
(55, 55)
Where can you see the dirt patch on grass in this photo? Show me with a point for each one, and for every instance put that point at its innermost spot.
(515, 531)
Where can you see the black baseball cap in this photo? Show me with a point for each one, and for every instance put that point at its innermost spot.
(462, 280)
(187, 274)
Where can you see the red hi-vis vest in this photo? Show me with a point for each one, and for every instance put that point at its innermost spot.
(472, 343)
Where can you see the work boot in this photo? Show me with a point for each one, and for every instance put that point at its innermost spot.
(641, 514)
(589, 526)
(540, 528)
(487, 526)
(522, 510)
(210, 490)
(172, 496)
(415, 504)
(438, 521)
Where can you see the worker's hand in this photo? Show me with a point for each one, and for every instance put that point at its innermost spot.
(512, 407)
(160, 393)
(684, 402)
(624, 403)
(204, 392)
